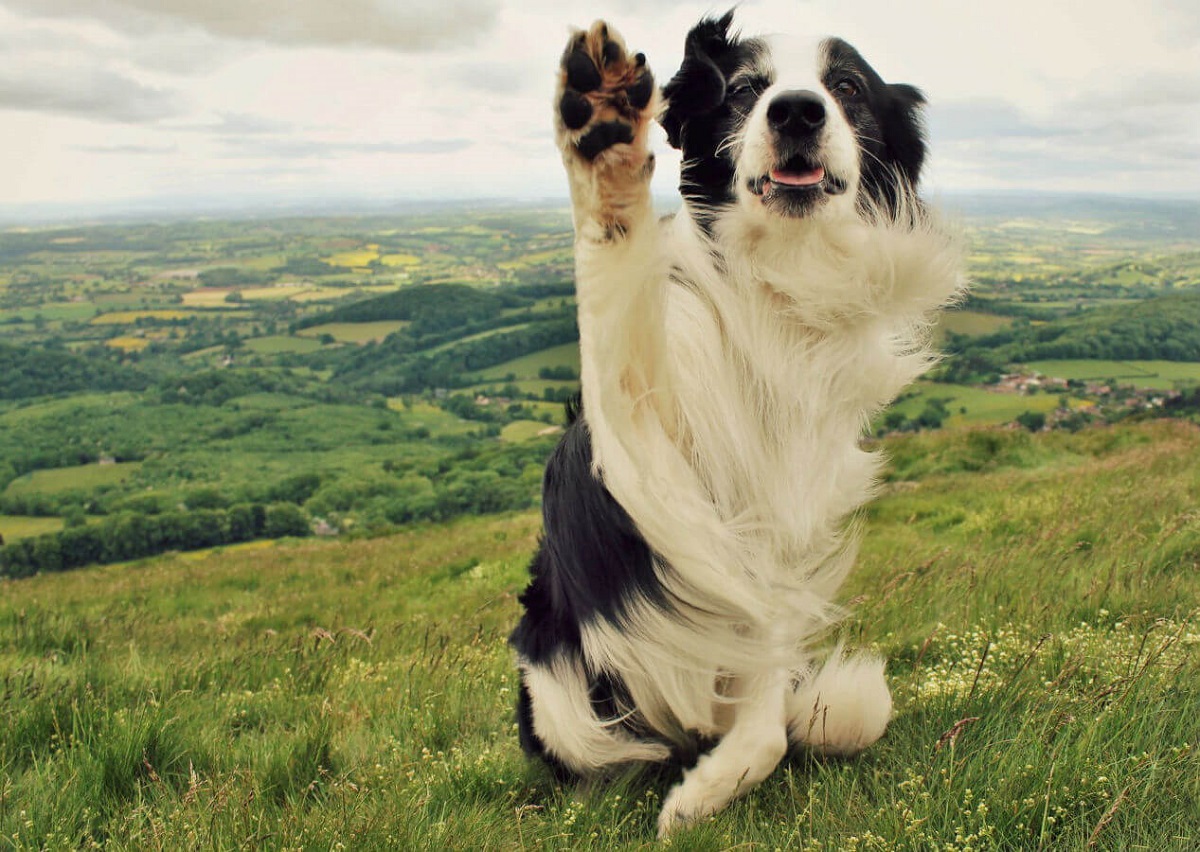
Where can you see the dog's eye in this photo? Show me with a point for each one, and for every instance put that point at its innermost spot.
(746, 87)
(846, 87)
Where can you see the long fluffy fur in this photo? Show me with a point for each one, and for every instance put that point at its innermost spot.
(699, 514)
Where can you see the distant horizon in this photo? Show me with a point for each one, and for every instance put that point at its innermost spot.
(152, 209)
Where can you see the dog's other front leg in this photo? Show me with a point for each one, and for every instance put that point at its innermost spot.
(748, 753)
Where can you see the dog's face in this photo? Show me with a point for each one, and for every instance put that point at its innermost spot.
(787, 128)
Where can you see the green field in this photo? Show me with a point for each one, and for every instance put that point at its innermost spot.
(525, 430)
(527, 367)
(83, 477)
(277, 344)
(1144, 374)
(972, 322)
(1040, 617)
(13, 527)
(355, 332)
(536, 387)
(54, 311)
(423, 415)
(982, 406)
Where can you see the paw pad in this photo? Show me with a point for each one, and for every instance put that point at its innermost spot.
(606, 92)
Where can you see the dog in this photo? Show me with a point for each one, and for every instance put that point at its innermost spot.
(699, 508)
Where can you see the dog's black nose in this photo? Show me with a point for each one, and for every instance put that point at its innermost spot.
(796, 113)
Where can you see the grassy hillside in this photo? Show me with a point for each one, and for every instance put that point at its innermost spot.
(1036, 597)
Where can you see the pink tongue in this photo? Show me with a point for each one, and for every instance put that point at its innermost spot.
(798, 178)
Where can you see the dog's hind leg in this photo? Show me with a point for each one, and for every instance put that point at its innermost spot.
(841, 709)
(749, 752)
(556, 697)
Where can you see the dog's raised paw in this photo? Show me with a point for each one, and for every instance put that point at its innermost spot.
(607, 96)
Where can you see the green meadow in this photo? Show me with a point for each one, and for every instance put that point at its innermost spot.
(981, 406)
(1144, 374)
(14, 527)
(79, 478)
(1036, 597)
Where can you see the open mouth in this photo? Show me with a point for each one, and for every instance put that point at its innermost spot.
(796, 175)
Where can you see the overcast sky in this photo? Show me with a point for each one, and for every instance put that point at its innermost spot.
(112, 101)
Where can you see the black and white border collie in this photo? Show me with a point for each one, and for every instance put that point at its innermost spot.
(698, 510)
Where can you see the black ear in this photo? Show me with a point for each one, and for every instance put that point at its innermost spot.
(698, 87)
(905, 129)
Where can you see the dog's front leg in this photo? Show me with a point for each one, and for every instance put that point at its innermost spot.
(748, 753)
(607, 102)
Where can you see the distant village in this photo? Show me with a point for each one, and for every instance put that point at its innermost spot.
(1082, 401)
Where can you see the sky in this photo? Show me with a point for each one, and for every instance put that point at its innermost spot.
(106, 104)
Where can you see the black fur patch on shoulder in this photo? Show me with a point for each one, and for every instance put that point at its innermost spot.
(592, 561)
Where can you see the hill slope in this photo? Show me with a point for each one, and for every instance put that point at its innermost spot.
(1039, 615)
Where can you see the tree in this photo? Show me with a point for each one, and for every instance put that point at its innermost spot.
(1034, 421)
(286, 519)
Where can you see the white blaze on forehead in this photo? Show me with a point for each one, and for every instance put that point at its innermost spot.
(798, 62)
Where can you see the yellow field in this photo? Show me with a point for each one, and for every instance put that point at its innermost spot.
(262, 264)
(128, 344)
(124, 317)
(399, 260)
(551, 255)
(320, 294)
(205, 298)
(275, 294)
(355, 259)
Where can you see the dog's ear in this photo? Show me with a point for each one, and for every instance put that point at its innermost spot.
(905, 129)
(698, 87)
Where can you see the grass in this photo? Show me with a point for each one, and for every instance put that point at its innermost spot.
(13, 527)
(1146, 374)
(82, 478)
(1039, 618)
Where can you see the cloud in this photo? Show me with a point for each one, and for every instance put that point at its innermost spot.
(492, 78)
(406, 25)
(310, 148)
(985, 118)
(241, 124)
(135, 150)
(91, 93)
